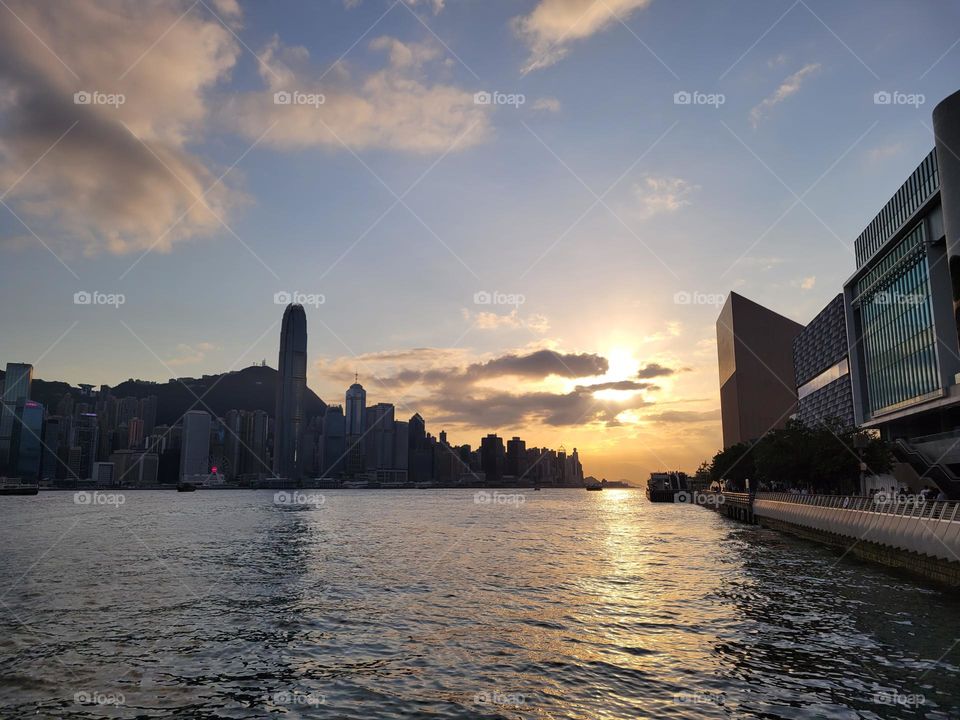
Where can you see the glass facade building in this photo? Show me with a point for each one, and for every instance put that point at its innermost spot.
(901, 329)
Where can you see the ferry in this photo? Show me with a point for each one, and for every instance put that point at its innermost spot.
(664, 487)
(16, 486)
(186, 487)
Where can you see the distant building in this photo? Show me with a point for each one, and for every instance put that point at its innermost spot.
(822, 370)
(334, 442)
(104, 474)
(17, 381)
(492, 457)
(355, 409)
(291, 389)
(83, 448)
(195, 444)
(757, 388)
(135, 468)
(516, 457)
(27, 440)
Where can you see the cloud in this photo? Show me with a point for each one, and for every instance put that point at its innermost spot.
(541, 364)
(652, 370)
(396, 107)
(547, 104)
(883, 152)
(98, 185)
(437, 5)
(808, 282)
(624, 385)
(492, 321)
(553, 24)
(683, 416)
(788, 87)
(663, 195)
(190, 354)
(464, 394)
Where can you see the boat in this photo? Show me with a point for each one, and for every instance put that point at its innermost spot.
(595, 487)
(666, 487)
(15, 486)
(186, 487)
(536, 488)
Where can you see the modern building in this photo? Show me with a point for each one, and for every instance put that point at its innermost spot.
(334, 442)
(16, 391)
(27, 440)
(492, 457)
(356, 417)
(821, 369)
(516, 457)
(755, 351)
(104, 474)
(83, 447)
(135, 468)
(900, 303)
(291, 389)
(195, 445)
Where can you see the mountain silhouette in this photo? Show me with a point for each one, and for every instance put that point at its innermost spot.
(253, 388)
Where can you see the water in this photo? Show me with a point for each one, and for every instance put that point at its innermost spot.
(383, 604)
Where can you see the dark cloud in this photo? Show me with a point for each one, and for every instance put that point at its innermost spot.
(684, 416)
(653, 370)
(541, 364)
(504, 410)
(618, 385)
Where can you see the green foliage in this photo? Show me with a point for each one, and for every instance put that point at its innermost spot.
(824, 458)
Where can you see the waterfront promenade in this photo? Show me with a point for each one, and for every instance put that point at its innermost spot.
(916, 535)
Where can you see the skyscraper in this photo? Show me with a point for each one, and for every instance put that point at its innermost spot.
(16, 391)
(195, 444)
(355, 417)
(356, 409)
(291, 388)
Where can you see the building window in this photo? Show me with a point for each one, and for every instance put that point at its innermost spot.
(899, 344)
(823, 379)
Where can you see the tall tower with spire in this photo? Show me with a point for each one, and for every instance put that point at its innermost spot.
(291, 388)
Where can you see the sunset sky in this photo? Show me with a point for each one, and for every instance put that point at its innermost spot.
(603, 217)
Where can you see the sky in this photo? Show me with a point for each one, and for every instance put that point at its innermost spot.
(511, 216)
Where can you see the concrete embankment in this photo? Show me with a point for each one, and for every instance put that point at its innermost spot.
(918, 537)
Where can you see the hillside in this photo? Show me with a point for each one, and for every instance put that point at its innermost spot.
(253, 388)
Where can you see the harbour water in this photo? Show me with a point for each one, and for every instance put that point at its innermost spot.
(450, 604)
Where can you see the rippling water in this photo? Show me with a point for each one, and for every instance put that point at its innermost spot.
(381, 604)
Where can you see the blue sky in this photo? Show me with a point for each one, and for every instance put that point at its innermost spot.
(506, 197)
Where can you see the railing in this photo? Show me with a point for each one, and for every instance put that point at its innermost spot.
(903, 506)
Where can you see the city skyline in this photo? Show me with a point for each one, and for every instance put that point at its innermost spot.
(441, 239)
